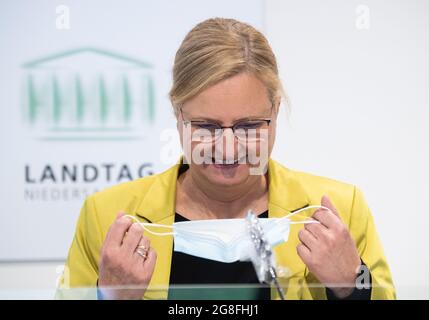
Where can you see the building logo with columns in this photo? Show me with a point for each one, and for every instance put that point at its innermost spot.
(88, 93)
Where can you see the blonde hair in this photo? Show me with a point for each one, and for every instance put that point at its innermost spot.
(217, 49)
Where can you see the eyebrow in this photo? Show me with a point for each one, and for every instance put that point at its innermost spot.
(212, 121)
(235, 121)
(208, 119)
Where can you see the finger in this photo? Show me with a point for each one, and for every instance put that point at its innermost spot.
(317, 229)
(120, 214)
(117, 230)
(307, 238)
(144, 244)
(149, 263)
(145, 241)
(326, 218)
(133, 237)
(326, 202)
(304, 253)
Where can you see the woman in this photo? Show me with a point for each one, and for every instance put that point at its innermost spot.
(226, 84)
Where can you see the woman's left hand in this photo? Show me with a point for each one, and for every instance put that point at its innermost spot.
(329, 251)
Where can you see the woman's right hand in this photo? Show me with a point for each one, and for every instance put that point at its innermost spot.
(123, 263)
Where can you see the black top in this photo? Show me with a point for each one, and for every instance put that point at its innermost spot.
(187, 269)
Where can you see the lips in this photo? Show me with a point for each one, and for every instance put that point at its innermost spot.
(225, 164)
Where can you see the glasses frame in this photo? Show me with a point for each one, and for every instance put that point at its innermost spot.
(222, 128)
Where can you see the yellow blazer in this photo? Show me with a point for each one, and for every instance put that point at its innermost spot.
(152, 199)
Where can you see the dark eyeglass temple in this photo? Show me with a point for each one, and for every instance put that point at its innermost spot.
(263, 260)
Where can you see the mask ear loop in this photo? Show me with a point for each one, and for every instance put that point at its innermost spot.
(145, 225)
(303, 209)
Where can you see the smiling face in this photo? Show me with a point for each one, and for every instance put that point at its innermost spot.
(231, 101)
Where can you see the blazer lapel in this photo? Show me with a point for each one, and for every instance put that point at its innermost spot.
(158, 206)
(286, 195)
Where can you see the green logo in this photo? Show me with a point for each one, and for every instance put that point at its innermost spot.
(88, 94)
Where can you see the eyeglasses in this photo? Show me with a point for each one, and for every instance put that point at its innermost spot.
(244, 130)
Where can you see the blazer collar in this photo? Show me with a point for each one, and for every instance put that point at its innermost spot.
(285, 193)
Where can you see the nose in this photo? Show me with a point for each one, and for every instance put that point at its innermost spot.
(226, 147)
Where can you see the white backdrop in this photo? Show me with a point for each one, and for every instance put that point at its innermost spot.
(360, 111)
(85, 107)
(356, 73)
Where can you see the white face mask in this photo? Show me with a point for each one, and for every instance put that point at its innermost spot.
(225, 240)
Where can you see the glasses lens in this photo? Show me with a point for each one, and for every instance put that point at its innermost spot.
(206, 132)
(250, 131)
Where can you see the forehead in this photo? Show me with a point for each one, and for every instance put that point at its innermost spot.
(237, 97)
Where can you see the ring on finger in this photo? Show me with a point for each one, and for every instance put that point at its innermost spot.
(142, 251)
